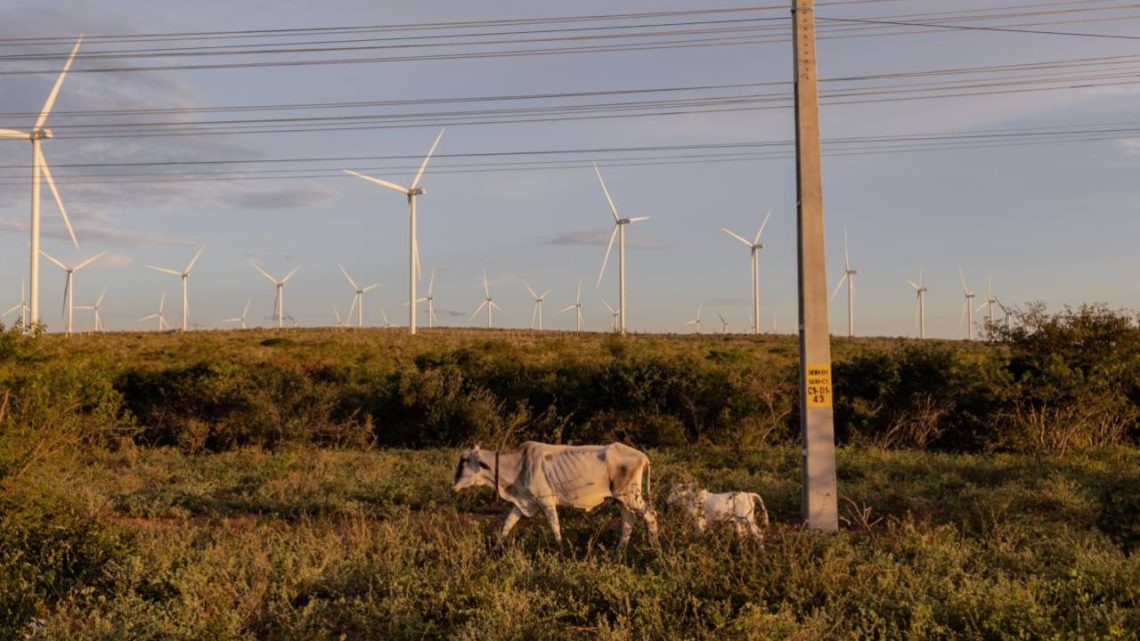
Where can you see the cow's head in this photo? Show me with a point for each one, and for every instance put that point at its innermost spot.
(682, 494)
(471, 470)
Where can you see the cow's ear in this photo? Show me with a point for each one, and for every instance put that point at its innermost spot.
(476, 448)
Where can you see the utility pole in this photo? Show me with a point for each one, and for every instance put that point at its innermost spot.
(820, 495)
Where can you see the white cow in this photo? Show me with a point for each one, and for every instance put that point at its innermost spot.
(537, 476)
(736, 508)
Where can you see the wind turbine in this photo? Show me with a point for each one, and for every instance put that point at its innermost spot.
(40, 168)
(537, 306)
(95, 308)
(849, 276)
(613, 316)
(357, 297)
(162, 324)
(22, 306)
(383, 315)
(921, 293)
(696, 322)
(619, 230)
(577, 307)
(967, 308)
(241, 319)
(185, 276)
(68, 287)
(754, 246)
(279, 297)
(488, 302)
(413, 245)
(430, 300)
(723, 323)
(1008, 315)
(990, 300)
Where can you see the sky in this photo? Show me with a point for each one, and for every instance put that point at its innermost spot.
(1055, 222)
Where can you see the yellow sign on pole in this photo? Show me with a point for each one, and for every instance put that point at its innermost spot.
(818, 385)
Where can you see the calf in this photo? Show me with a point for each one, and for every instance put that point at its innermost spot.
(736, 508)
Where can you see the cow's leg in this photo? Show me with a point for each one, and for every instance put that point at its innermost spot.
(636, 503)
(551, 512)
(509, 524)
(627, 519)
(754, 530)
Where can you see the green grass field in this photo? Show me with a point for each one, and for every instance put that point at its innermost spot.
(258, 485)
(322, 544)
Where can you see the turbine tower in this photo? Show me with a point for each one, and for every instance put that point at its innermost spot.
(619, 230)
(696, 322)
(967, 307)
(69, 285)
(754, 247)
(40, 169)
(538, 300)
(279, 297)
(849, 276)
(488, 302)
(185, 276)
(430, 300)
(1008, 315)
(357, 298)
(577, 307)
(241, 319)
(920, 291)
(413, 245)
(95, 307)
(162, 324)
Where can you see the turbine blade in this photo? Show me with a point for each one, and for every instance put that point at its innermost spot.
(53, 259)
(736, 236)
(544, 294)
(264, 273)
(195, 258)
(43, 166)
(477, 310)
(613, 209)
(382, 183)
(246, 310)
(431, 281)
(89, 261)
(921, 268)
(638, 219)
(423, 166)
(962, 276)
(612, 310)
(837, 287)
(348, 278)
(912, 284)
(370, 288)
(58, 83)
(163, 270)
(494, 305)
(846, 254)
(762, 226)
(613, 236)
(12, 133)
(962, 318)
(290, 275)
(566, 309)
(532, 294)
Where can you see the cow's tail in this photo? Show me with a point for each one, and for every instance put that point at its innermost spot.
(763, 509)
(649, 483)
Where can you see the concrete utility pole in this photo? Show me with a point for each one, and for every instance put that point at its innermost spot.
(820, 495)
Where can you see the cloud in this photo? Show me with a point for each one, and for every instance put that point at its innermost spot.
(115, 261)
(84, 234)
(595, 238)
(1131, 146)
(284, 198)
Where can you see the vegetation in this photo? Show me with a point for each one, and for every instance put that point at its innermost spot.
(252, 485)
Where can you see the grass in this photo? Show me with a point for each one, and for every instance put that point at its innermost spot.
(313, 543)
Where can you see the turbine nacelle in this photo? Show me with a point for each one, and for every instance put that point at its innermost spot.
(40, 134)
